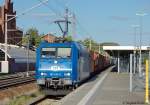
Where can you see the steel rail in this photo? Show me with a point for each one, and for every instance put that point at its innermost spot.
(15, 80)
(20, 74)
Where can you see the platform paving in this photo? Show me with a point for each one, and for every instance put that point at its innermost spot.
(113, 90)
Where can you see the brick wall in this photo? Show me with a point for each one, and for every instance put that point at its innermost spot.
(49, 37)
(14, 37)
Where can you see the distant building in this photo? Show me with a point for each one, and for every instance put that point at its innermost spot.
(49, 37)
(17, 58)
(14, 36)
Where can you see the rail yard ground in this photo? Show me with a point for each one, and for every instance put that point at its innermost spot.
(12, 94)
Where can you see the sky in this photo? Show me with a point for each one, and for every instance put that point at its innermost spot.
(100, 20)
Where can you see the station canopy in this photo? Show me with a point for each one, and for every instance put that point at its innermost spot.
(17, 53)
(124, 50)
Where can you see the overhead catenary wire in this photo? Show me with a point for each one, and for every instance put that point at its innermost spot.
(52, 9)
(75, 18)
(43, 14)
(60, 4)
(23, 13)
(57, 13)
(81, 27)
(70, 16)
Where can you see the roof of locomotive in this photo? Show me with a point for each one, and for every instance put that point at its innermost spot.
(78, 45)
(59, 44)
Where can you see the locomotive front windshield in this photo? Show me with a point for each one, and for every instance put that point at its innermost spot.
(56, 53)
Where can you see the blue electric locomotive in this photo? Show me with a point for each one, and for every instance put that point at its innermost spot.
(61, 67)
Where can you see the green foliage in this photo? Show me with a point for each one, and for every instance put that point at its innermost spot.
(24, 99)
(38, 40)
(69, 38)
(33, 36)
(20, 100)
(89, 42)
(24, 40)
(96, 46)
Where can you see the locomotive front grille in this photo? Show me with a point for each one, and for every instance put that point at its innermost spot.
(57, 82)
(53, 82)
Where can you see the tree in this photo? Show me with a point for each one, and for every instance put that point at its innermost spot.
(33, 36)
(69, 38)
(86, 42)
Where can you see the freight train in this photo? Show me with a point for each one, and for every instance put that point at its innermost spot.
(61, 67)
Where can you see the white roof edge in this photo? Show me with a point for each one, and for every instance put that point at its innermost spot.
(7, 53)
(3, 44)
(124, 47)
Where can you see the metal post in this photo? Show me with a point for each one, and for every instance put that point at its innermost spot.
(90, 44)
(73, 25)
(134, 65)
(27, 74)
(149, 57)
(66, 24)
(140, 59)
(6, 38)
(147, 83)
(99, 48)
(135, 29)
(4, 64)
(118, 62)
(140, 73)
(130, 72)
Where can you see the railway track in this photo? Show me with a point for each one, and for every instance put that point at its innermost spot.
(15, 79)
(45, 100)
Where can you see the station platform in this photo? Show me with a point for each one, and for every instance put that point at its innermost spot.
(107, 88)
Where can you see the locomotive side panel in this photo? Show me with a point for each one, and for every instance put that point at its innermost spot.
(84, 62)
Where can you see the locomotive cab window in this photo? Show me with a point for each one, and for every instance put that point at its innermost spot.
(56, 53)
(48, 52)
(64, 52)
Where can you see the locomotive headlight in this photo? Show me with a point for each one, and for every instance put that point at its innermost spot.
(43, 74)
(67, 74)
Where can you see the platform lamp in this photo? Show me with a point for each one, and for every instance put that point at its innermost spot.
(140, 14)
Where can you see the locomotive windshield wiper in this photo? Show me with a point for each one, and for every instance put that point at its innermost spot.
(63, 56)
(59, 57)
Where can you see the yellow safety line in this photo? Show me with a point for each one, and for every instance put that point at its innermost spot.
(147, 83)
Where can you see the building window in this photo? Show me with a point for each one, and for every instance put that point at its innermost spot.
(2, 55)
